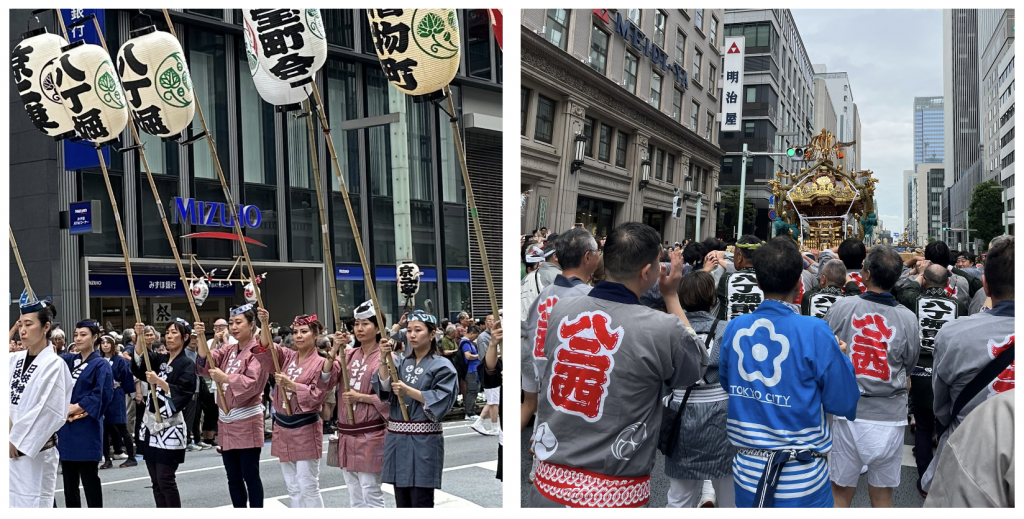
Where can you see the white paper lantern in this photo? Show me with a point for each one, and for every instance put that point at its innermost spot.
(418, 48)
(157, 83)
(32, 63)
(269, 88)
(91, 92)
(250, 293)
(408, 275)
(200, 291)
(292, 43)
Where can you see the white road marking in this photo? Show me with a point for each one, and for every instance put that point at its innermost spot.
(441, 499)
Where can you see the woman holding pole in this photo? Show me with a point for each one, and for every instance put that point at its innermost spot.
(240, 429)
(80, 441)
(360, 441)
(115, 418)
(414, 449)
(164, 443)
(298, 437)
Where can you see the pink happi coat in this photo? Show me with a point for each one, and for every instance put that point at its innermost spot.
(360, 452)
(246, 380)
(306, 442)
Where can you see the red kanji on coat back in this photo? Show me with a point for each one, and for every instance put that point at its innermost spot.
(1005, 381)
(583, 364)
(870, 346)
(544, 311)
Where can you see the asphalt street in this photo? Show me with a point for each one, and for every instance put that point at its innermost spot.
(468, 482)
(904, 496)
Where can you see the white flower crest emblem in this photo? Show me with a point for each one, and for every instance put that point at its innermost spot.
(760, 352)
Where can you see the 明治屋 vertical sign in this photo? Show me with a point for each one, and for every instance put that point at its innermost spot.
(732, 87)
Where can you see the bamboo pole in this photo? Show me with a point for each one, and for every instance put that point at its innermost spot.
(163, 219)
(230, 203)
(326, 128)
(21, 267)
(120, 229)
(471, 201)
(328, 262)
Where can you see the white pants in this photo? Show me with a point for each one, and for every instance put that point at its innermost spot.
(364, 489)
(302, 479)
(33, 481)
(858, 444)
(684, 493)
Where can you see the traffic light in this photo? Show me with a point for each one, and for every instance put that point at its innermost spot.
(677, 207)
(795, 152)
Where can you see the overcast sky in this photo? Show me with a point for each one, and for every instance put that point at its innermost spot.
(891, 57)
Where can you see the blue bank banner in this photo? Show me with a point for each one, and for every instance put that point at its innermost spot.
(149, 285)
(79, 155)
(354, 273)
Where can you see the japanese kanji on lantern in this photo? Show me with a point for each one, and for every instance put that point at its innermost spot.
(272, 90)
(418, 48)
(32, 63)
(156, 82)
(408, 275)
(93, 98)
(290, 44)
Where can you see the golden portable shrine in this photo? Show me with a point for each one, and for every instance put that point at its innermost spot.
(830, 204)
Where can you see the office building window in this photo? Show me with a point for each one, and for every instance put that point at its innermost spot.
(659, 28)
(588, 133)
(524, 102)
(545, 119)
(478, 41)
(713, 32)
(207, 64)
(710, 126)
(659, 165)
(712, 72)
(259, 161)
(604, 147)
(680, 49)
(751, 94)
(748, 130)
(698, 56)
(558, 27)
(634, 16)
(598, 50)
(677, 104)
(338, 23)
(656, 90)
(694, 116)
(620, 149)
(698, 19)
(670, 169)
(630, 73)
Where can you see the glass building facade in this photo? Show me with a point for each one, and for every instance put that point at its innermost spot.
(397, 158)
(928, 137)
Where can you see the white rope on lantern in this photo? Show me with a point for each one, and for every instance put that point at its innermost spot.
(92, 94)
(419, 49)
(289, 44)
(32, 64)
(157, 83)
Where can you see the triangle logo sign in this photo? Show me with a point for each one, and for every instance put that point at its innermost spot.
(734, 49)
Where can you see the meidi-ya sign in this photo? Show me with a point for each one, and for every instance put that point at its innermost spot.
(635, 37)
(732, 87)
(214, 214)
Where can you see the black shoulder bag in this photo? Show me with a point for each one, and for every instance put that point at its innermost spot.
(982, 379)
(670, 429)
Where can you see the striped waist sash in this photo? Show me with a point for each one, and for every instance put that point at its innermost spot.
(700, 396)
(775, 460)
(582, 488)
(424, 427)
(362, 428)
(240, 413)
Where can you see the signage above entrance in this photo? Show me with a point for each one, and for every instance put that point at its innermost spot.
(214, 214)
(634, 36)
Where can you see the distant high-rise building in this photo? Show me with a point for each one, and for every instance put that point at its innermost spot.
(842, 101)
(928, 130)
(996, 97)
(909, 204)
(824, 112)
(962, 138)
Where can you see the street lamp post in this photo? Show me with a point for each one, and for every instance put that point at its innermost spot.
(700, 201)
(743, 178)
